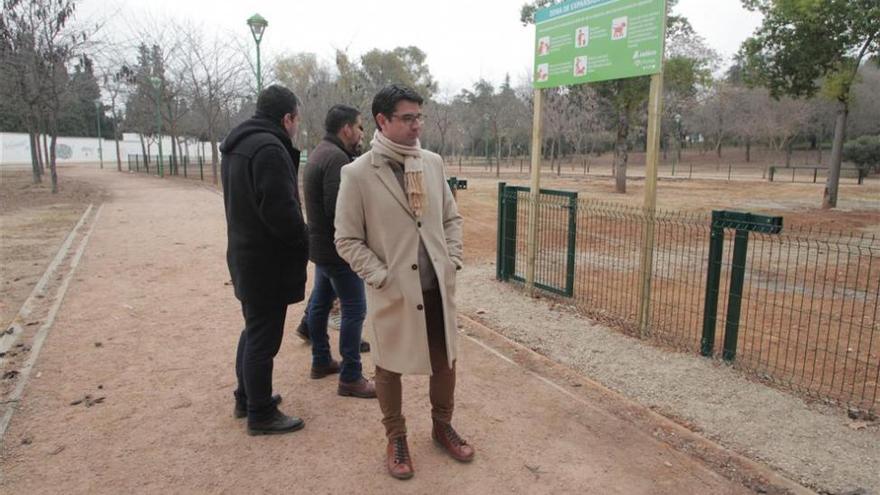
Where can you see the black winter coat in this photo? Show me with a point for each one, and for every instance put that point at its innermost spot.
(267, 249)
(320, 187)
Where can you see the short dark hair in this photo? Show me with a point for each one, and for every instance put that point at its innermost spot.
(387, 98)
(275, 102)
(340, 116)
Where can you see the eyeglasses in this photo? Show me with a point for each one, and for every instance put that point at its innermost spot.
(411, 118)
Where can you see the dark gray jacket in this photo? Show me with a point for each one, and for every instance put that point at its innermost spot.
(320, 187)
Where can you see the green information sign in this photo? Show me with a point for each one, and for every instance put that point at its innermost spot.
(582, 41)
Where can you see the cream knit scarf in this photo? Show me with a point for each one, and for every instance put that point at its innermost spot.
(411, 158)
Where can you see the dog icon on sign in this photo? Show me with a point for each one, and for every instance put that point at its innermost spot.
(618, 28)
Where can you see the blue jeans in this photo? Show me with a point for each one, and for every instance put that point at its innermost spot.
(333, 281)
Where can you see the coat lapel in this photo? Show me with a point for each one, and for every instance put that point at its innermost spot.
(388, 179)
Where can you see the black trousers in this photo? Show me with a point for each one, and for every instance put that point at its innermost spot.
(257, 346)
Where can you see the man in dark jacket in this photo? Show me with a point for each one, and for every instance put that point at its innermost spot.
(333, 276)
(267, 248)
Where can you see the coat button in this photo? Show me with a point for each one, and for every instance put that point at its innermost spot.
(419, 224)
(420, 307)
(415, 267)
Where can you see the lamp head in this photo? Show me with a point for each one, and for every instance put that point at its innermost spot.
(258, 25)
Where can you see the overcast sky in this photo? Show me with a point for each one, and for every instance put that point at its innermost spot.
(464, 40)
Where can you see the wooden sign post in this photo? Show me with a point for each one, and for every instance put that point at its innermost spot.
(535, 189)
(585, 41)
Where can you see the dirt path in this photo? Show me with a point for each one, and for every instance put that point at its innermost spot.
(33, 223)
(132, 390)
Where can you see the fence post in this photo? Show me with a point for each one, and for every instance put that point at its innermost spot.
(511, 209)
(734, 298)
(713, 284)
(572, 241)
(499, 244)
(506, 248)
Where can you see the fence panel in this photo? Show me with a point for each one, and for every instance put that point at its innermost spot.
(808, 301)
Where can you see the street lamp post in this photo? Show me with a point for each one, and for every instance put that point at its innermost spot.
(676, 156)
(157, 85)
(258, 25)
(98, 107)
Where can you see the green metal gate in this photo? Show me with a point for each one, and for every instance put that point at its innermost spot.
(556, 239)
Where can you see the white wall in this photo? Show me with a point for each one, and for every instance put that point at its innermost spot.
(15, 149)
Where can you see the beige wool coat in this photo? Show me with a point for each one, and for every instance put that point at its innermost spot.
(377, 234)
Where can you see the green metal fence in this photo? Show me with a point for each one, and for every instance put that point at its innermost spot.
(185, 166)
(791, 306)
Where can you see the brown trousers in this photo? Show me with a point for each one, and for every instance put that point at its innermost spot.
(442, 381)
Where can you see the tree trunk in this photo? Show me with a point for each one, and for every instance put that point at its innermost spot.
(173, 165)
(620, 152)
(748, 149)
(45, 155)
(556, 159)
(181, 157)
(52, 169)
(41, 157)
(35, 164)
(788, 150)
(215, 158)
(118, 148)
(497, 155)
(829, 197)
(144, 149)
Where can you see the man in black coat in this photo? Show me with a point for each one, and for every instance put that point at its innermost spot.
(333, 277)
(267, 248)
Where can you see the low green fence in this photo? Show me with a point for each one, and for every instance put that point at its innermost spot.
(798, 308)
(803, 173)
(185, 166)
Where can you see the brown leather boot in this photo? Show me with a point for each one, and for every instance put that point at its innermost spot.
(398, 459)
(446, 437)
(363, 388)
(321, 371)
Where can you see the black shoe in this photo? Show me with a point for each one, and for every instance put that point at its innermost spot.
(278, 424)
(321, 371)
(365, 346)
(302, 332)
(241, 409)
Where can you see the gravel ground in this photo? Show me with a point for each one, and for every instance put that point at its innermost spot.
(815, 445)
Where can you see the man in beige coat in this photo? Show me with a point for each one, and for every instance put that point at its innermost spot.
(398, 228)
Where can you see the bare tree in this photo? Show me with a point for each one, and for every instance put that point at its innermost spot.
(215, 78)
(40, 40)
